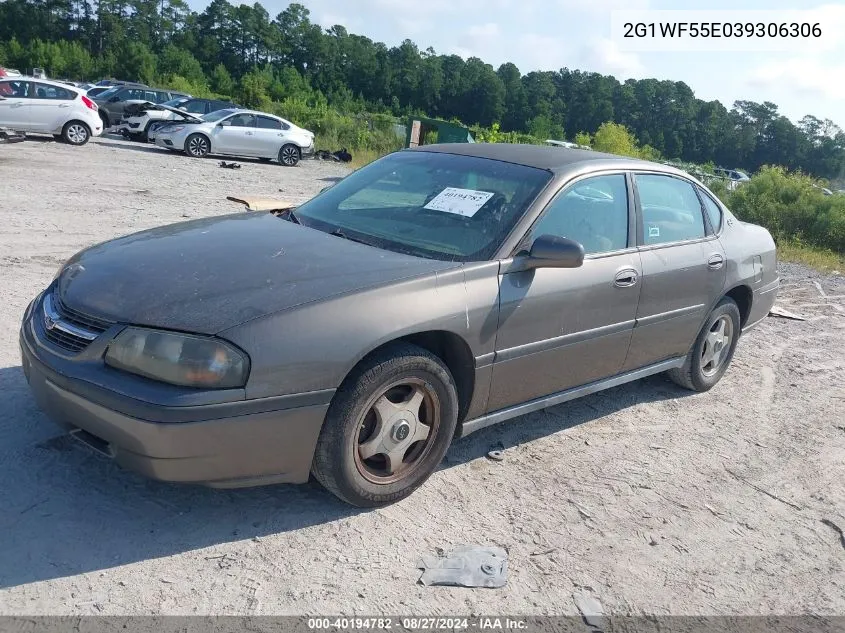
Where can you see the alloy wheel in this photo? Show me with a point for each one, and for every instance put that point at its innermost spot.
(716, 345)
(397, 431)
(290, 155)
(198, 146)
(77, 134)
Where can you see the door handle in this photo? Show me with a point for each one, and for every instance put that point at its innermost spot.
(249, 133)
(626, 278)
(64, 105)
(715, 262)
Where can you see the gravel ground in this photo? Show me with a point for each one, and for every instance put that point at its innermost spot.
(645, 497)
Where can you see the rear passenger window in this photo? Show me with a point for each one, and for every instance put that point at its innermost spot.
(593, 212)
(671, 211)
(713, 211)
(46, 91)
(269, 124)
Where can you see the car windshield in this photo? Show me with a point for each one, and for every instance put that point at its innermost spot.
(216, 116)
(429, 204)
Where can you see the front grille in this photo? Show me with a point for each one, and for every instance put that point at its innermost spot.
(67, 328)
(66, 341)
(78, 318)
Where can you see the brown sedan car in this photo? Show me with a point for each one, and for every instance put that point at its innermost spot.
(430, 294)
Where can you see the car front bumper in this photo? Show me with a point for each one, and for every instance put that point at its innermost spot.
(223, 445)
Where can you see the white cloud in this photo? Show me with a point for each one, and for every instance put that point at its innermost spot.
(603, 55)
(490, 29)
(806, 75)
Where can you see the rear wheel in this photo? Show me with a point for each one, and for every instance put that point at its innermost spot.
(289, 155)
(76, 133)
(388, 427)
(710, 356)
(197, 145)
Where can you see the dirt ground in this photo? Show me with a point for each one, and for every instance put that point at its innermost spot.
(645, 497)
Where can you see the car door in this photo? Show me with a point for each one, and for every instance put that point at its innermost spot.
(50, 107)
(15, 104)
(269, 136)
(234, 135)
(564, 327)
(683, 268)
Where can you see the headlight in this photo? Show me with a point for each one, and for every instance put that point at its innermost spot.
(179, 359)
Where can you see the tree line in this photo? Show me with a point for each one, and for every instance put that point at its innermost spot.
(243, 52)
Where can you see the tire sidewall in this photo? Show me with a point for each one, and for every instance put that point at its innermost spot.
(348, 409)
(68, 140)
(188, 142)
(298, 154)
(725, 307)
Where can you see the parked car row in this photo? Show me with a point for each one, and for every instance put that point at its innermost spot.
(170, 119)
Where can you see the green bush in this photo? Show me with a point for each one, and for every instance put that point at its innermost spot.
(791, 207)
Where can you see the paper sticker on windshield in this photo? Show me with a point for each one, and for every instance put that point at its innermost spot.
(465, 202)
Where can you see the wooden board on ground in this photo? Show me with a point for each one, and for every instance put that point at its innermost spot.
(258, 203)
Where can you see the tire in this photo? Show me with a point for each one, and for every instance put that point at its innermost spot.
(105, 119)
(374, 448)
(145, 135)
(711, 354)
(76, 133)
(197, 145)
(289, 155)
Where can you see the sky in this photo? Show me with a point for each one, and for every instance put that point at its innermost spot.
(551, 34)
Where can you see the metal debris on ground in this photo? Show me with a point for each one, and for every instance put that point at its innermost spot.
(777, 311)
(11, 136)
(496, 455)
(223, 163)
(466, 566)
(340, 156)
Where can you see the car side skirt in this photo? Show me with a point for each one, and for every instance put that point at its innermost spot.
(565, 396)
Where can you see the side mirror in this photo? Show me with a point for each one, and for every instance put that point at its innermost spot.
(551, 251)
(225, 123)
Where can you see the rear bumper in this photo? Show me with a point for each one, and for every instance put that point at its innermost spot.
(762, 300)
(232, 445)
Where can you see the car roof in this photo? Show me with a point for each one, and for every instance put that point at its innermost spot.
(49, 82)
(549, 158)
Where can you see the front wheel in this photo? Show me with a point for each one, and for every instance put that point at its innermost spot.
(388, 427)
(76, 133)
(289, 155)
(713, 350)
(197, 145)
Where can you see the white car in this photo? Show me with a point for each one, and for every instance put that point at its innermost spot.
(141, 120)
(238, 133)
(41, 106)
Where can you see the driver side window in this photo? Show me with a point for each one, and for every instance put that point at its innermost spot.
(593, 212)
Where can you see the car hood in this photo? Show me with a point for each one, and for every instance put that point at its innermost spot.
(212, 274)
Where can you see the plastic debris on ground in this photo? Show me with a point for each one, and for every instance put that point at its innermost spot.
(466, 566)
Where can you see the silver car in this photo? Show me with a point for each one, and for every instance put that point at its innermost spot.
(238, 133)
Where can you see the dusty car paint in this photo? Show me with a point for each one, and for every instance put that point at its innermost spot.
(307, 307)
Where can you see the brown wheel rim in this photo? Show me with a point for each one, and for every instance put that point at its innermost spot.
(397, 430)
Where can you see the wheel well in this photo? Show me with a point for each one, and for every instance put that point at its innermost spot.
(104, 117)
(742, 295)
(205, 136)
(455, 354)
(87, 127)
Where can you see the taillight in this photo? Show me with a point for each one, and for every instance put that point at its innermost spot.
(90, 104)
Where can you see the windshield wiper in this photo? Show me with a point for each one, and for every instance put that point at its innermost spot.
(291, 216)
(340, 233)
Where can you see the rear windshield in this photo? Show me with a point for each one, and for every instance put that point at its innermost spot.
(430, 204)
